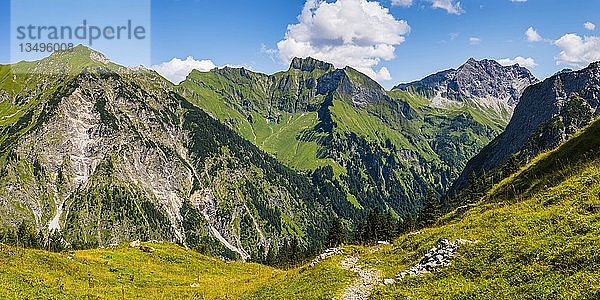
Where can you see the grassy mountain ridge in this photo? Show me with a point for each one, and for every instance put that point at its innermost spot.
(385, 148)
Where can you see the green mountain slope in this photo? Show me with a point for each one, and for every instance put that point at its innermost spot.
(385, 149)
(535, 235)
(104, 154)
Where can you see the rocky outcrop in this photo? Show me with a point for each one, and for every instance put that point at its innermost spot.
(438, 257)
(352, 86)
(310, 64)
(548, 114)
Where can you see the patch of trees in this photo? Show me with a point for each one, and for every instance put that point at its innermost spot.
(26, 236)
(337, 233)
(380, 226)
(377, 226)
(290, 254)
(128, 210)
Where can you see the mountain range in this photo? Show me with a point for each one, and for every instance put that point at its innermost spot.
(247, 166)
(380, 148)
(237, 163)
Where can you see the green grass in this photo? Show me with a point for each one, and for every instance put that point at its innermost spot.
(171, 272)
(108, 274)
(350, 119)
(324, 281)
(526, 250)
(415, 101)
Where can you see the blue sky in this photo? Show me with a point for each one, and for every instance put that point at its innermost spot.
(247, 33)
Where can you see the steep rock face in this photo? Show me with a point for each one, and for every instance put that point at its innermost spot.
(484, 83)
(547, 115)
(110, 154)
(310, 64)
(352, 86)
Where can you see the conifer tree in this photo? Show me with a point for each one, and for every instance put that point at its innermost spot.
(431, 209)
(337, 233)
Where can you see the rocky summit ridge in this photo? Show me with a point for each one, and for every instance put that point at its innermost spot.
(484, 83)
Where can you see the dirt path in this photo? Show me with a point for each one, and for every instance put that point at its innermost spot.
(362, 286)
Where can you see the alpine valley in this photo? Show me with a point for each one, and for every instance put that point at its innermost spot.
(473, 183)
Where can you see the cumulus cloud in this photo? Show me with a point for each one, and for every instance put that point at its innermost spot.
(532, 35)
(578, 51)
(356, 33)
(521, 61)
(176, 70)
(405, 3)
(450, 6)
(589, 26)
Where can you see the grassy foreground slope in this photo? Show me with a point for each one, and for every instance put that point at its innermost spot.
(535, 236)
(171, 272)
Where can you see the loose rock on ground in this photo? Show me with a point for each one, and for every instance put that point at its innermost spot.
(438, 257)
(326, 254)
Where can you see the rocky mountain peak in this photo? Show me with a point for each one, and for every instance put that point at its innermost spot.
(485, 83)
(309, 64)
(351, 85)
(473, 62)
(473, 65)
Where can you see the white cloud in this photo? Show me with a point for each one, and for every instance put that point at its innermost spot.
(518, 1)
(589, 26)
(177, 70)
(450, 6)
(405, 3)
(532, 35)
(522, 61)
(383, 74)
(474, 40)
(356, 33)
(578, 51)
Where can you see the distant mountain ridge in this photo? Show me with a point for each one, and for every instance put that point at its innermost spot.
(485, 83)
